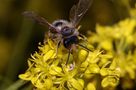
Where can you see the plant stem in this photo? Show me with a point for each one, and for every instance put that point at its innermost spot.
(16, 85)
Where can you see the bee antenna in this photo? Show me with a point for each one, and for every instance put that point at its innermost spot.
(84, 47)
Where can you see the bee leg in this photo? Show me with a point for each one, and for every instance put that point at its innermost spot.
(68, 56)
(84, 47)
(83, 37)
(58, 44)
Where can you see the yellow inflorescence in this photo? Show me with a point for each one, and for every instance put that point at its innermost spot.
(48, 71)
(113, 58)
(119, 41)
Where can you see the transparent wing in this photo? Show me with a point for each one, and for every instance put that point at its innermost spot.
(39, 19)
(78, 11)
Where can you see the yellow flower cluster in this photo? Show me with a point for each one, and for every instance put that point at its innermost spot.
(120, 41)
(85, 70)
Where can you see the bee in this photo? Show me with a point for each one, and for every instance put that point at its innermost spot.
(63, 31)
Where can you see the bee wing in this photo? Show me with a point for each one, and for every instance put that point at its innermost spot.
(78, 11)
(39, 19)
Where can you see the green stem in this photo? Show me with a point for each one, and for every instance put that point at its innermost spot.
(16, 85)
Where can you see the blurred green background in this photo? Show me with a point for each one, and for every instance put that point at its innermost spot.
(19, 36)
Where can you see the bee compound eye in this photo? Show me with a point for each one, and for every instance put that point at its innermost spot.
(66, 31)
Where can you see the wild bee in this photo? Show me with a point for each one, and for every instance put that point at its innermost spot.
(63, 31)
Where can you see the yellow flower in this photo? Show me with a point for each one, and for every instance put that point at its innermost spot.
(48, 71)
(118, 41)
